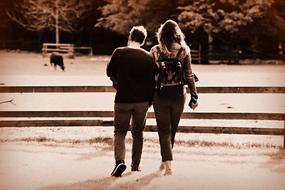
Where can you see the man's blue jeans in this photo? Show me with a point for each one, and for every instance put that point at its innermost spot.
(168, 106)
(124, 113)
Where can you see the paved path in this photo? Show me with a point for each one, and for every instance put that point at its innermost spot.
(26, 166)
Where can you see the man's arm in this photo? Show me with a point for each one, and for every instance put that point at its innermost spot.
(111, 70)
(111, 66)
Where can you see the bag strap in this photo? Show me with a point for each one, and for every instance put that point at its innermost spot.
(179, 52)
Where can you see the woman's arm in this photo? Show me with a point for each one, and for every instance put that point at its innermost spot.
(189, 76)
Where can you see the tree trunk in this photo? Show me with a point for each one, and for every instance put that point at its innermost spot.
(210, 42)
(210, 47)
(56, 24)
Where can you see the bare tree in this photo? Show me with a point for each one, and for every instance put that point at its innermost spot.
(56, 15)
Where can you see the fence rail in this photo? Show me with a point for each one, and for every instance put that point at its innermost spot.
(185, 115)
(57, 47)
(81, 49)
(100, 118)
(75, 118)
(201, 89)
(183, 129)
(196, 56)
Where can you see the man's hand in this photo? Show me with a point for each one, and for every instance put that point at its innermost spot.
(114, 83)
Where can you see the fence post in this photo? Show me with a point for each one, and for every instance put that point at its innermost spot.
(284, 136)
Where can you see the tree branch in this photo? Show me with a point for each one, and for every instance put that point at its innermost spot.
(8, 101)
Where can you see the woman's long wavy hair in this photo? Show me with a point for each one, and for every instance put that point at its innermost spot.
(169, 33)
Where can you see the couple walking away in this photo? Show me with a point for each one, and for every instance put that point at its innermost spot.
(142, 79)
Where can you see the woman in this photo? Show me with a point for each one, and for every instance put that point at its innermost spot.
(173, 60)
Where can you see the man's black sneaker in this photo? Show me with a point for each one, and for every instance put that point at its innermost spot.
(120, 167)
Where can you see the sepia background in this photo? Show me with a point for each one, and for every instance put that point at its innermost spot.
(234, 44)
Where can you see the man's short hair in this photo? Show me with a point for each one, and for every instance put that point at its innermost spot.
(138, 34)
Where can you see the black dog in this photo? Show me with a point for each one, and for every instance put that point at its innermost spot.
(57, 59)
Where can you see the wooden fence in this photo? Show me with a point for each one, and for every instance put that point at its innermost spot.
(83, 50)
(100, 118)
(49, 48)
(196, 55)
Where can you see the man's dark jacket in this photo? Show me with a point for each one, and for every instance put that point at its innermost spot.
(133, 72)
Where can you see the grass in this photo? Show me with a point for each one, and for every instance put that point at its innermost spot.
(149, 142)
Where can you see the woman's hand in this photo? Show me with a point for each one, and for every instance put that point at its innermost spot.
(193, 101)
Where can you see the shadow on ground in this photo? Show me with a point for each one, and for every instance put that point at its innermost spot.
(129, 181)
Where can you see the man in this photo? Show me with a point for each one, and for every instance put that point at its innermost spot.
(132, 70)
